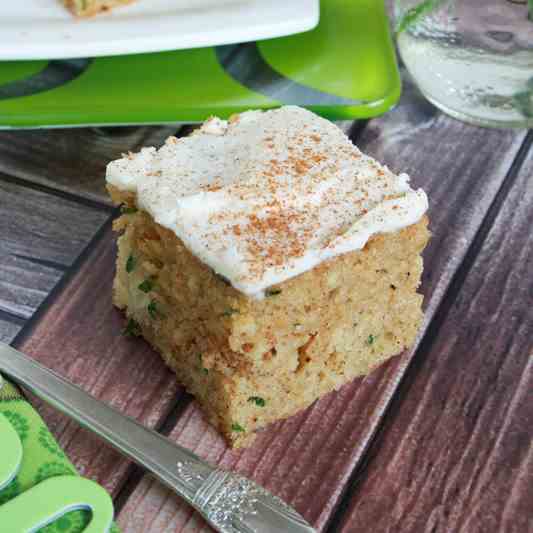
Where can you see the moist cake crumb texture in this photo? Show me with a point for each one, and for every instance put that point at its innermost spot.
(268, 260)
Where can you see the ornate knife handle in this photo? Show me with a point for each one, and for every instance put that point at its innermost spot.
(229, 502)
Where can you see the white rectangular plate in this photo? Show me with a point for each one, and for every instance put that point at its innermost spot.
(43, 29)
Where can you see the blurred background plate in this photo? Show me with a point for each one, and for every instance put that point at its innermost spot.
(43, 29)
(343, 69)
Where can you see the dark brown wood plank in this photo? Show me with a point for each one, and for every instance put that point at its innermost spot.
(456, 453)
(308, 459)
(41, 235)
(73, 160)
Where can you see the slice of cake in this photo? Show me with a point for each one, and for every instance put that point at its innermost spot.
(268, 260)
(86, 8)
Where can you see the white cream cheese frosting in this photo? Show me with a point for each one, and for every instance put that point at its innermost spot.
(268, 195)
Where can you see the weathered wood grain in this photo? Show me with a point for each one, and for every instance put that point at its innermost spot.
(41, 235)
(73, 160)
(308, 459)
(9, 328)
(456, 452)
(78, 334)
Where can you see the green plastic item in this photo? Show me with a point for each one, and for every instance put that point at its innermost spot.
(53, 498)
(29, 458)
(50, 499)
(343, 69)
(11, 452)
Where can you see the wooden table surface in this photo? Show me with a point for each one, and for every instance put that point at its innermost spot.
(438, 439)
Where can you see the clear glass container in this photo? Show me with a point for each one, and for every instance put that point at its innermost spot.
(471, 58)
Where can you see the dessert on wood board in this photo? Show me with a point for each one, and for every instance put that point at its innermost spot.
(268, 261)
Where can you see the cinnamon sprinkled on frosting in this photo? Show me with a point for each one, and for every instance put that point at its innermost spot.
(268, 195)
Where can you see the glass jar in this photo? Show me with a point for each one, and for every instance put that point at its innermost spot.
(471, 58)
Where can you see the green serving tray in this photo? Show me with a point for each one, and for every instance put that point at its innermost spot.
(343, 69)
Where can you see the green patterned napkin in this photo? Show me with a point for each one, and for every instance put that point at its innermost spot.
(42, 458)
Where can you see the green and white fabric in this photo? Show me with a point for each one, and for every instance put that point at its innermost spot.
(42, 458)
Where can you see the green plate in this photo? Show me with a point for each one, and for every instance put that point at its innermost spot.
(343, 69)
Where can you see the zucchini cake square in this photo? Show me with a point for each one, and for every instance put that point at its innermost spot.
(268, 260)
(86, 8)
